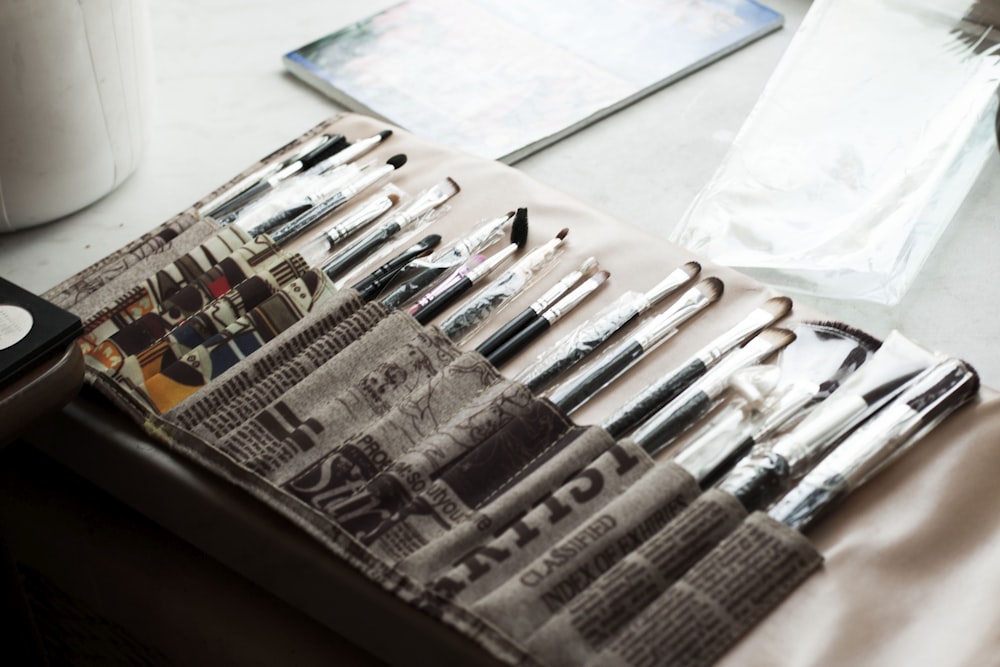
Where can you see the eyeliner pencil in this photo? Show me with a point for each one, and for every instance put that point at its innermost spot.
(533, 312)
(541, 323)
(578, 390)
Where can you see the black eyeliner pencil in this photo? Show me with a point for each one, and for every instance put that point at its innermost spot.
(369, 286)
(578, 390)
(546, 319)
(531, 314)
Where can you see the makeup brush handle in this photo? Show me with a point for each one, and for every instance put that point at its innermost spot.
(519, 341)
(357, 251)
(412, 287)
(640, 408)
(758, 480)
(504, 333)
(576, 392)
(442, 301)
(663, 429)
(808, 502)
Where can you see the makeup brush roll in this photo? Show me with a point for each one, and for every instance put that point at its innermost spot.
(465, 505)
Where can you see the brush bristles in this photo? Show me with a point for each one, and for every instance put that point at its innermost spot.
(519, 230)
(394, 198)
(384, 134)
(431, 240)
(776, 337)
(712, 288)
(397, 161)
(692, 268)
(601, 276)
(562, 233)
(777, 307)
(863, 338)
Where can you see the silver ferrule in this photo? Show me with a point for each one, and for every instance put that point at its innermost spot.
(348, 154)
(748, 326)
(491, 262)
(658, 327)
(557, 291)
(366, 212)
(573, 299)
(673, 282)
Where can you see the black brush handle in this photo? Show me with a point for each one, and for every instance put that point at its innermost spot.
(506, 332)
(334, 144)
(527, 333)
(369, 286)
(807, 502)
(758, 480)
(575, 393)
(412, 287)
(643, 406)
(358, 250)
(442, 301)
(661, 430)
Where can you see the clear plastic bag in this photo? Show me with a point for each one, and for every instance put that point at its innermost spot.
(859, 152)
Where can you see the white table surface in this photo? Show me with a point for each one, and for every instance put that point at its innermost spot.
(223, 100)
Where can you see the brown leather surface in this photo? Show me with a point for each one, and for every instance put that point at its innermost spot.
(43, 389)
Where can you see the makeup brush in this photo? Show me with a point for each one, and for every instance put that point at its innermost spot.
(927, 400)
(822, 356)
(369, 286)
(665, 390)
(367, 179)
(765, 552)
(423, 273)
(665, 426)
(319, 247)
(531, 314)
(590, 335)
(578, 390)
(467, 318)
(775, 463)
(426, 201)
(536, 327)
(326, 146)
(518, 237)
(352, 152)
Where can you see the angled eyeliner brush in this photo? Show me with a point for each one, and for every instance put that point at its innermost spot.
(667, 424)
(342, 262)
(582, 341)
(331, 144)
(518, 237)
(324, 208)
(532, 312)
(369, 286)
(654, 397)
(481, 237)
(536, 327)
(580, 389)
